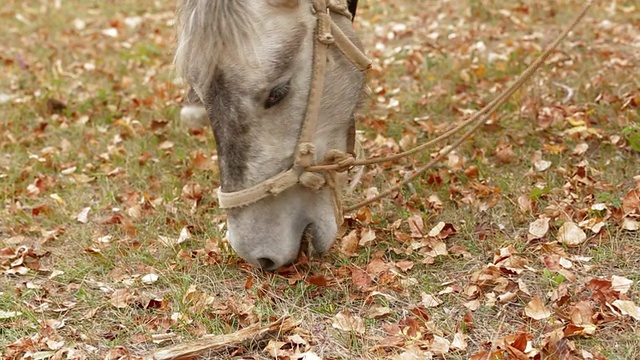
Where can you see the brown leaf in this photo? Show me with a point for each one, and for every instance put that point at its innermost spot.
(377, 312)
(538, 228)
(276, 349)
(367, 236)
(55, 106)
(582, 313)
(192, 191)
(442, 230)
(631, 202)
(248, 284)
(579, 330)
(317, 280)
(416, 225)
(621, 284)
(364, 215)
(158, 124)
(439, 345)
(121, 298)
(429, 300)
(201, 161)
(405, 265)
(525, 203)
(361, 279)
(349, 243)
(518, 341)
(536, 309)
(571, 235)
(83, 216)
(552, 262)
(376, 266)
(504, 153)
(628, 308)
(346, 321)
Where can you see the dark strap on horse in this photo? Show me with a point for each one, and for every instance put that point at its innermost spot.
(353, 5)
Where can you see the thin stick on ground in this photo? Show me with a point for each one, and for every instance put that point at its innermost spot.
(219, 343)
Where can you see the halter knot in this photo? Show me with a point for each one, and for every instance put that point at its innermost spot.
(305, 156)
(311, 180)
(343, 160)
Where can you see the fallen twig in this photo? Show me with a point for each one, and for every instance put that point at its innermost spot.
(220, 342)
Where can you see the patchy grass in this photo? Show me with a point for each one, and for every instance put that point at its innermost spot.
(88, 121)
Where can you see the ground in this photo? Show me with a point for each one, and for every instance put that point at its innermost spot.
(523, 243)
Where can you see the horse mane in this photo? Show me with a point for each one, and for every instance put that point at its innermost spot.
(207, 31)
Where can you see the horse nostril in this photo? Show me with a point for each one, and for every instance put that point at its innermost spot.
(266, 264)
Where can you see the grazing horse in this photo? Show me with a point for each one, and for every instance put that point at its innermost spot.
(251, 65)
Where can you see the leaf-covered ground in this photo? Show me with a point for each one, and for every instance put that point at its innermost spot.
(524, 244)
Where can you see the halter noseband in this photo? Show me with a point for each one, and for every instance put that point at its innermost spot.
(327, 33)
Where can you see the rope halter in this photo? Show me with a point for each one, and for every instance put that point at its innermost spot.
(327, 34)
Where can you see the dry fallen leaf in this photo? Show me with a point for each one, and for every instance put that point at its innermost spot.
(539, 228)
(440, 345)
(525, 203)
(628, 308)
(184, 235)
(404, 265)
(580, 330)
(149, 279)
(275, 349)
(630, 224)
(121, 298)
(377, 311)
(349, 243)
(437, 229)
(367, 236)
(571, 235)
(621, 284)
(459, 341)
(412, 352)
(346, 321)
(416, 225)
(429, 300)
(83, 216)
(540, 164)
(582, 313)
(631, 201)
(536, 309)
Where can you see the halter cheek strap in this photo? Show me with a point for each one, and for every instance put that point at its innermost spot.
(327, 34)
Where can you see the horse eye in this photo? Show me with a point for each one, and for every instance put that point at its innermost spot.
(277, 94)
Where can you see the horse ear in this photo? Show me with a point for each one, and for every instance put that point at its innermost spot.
(284, 3)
